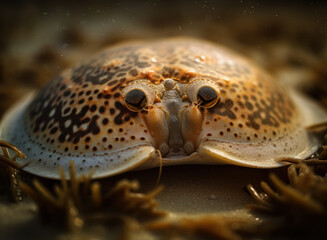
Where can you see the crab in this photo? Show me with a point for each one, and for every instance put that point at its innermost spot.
(168, 101)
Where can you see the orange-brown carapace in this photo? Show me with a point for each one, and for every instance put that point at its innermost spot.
(193, 101)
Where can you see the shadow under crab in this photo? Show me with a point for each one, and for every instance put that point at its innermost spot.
(80, 201)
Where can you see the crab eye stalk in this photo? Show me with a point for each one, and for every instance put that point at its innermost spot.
(135, 100)
(207, 97)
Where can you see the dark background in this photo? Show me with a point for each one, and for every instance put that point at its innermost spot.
(41, 38)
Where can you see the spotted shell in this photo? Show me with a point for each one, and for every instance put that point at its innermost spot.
(81, 114)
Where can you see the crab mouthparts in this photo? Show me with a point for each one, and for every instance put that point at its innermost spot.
(174, 125)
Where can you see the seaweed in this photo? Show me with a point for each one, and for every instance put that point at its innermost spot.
(297, 208)
(74, 202)
(213, 226)
(9, 169)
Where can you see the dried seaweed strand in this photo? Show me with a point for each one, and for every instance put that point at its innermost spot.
(96, 194)
(299, 205)
(313, 161)
(219, 227)
(296, 195)
(291, 194)
(123, 198)
(9, 162)
(73, 199)
(260, 199)
(12, 147)
(75, 182)
(12, 167)
(270, 193)
(257, 197)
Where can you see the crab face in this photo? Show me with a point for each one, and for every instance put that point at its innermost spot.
(172, 112)
(193, 101)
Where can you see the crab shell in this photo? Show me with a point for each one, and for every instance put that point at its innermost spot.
(81, 114)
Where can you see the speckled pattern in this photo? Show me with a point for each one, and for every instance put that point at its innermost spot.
(82, 112)
(83, 109)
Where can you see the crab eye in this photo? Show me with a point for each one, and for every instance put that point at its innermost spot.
(135, 100)
(207, 97)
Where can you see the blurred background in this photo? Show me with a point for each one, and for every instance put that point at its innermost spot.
(40, 39)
